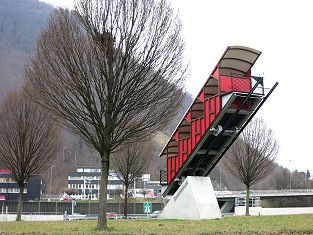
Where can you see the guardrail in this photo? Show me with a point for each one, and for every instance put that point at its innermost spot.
(285, 192)
(95, 216)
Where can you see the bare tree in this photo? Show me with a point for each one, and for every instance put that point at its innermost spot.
(131, 163)
(307, 178)
(252, 157)
(28, 140)
(112, 72)
(280, 178)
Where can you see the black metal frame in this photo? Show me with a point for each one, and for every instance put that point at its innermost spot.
(226, 126)
(244, 126)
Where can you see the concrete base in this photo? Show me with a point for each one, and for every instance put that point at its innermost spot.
(194, 200)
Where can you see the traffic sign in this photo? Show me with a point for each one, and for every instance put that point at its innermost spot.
(147, 207)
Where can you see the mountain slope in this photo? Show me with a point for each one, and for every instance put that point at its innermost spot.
(21, 21)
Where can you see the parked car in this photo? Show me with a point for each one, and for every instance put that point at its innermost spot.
(112, 215)
(67, 197)
(154, 214)
(75, 216)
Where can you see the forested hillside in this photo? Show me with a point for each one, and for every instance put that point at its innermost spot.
(21, 21)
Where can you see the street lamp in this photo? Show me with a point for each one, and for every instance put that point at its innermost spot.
(290, 176)
(220, 175)
(98, 187)
(84, 189)
(7, 179)
(50, 178)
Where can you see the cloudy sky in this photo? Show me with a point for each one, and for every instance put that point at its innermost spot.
(282, 30)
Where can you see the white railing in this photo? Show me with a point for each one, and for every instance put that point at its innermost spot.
(284, 192)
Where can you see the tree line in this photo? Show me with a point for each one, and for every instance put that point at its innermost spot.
(110, 72)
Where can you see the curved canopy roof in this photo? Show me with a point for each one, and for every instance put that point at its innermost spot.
(237, 60)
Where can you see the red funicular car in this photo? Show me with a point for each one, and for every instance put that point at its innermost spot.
(225, 104)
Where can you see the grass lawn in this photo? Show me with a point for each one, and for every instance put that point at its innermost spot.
(291, 224)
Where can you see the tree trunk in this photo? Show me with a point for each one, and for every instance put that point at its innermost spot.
(20, 204)
(247, 200)
(102, 220)
(125, 201)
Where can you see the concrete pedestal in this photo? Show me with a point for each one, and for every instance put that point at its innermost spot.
(194, 200)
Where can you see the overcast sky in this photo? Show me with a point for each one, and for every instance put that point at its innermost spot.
(282, 30)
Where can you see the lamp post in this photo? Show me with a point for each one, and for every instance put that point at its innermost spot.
(84, 188)
(98, 187)
(7, 179)
(50, 179)
(290, 176)
(220, 175)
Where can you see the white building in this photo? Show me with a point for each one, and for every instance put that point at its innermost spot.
(86, 180)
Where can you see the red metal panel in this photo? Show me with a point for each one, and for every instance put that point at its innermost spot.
(212, 116)
(202, 126)
(188, 147)
(238, 101)
(201, 95)
(215, 73)
(212, 110)
(206, 113)
(173, 167)
(197, 134)
(188, 116)
(241, 84)
(225, 83)
(176, 135)
(212, 105)
(176, 163)
(193, 137)
(169, 170)
(217, 104)
(181, 150)
(185, 147)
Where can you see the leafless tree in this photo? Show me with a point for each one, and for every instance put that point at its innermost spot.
(112, 72)
(131, 163)
(28, 140)
(298, 180)
(280, 178)
(252, 157)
